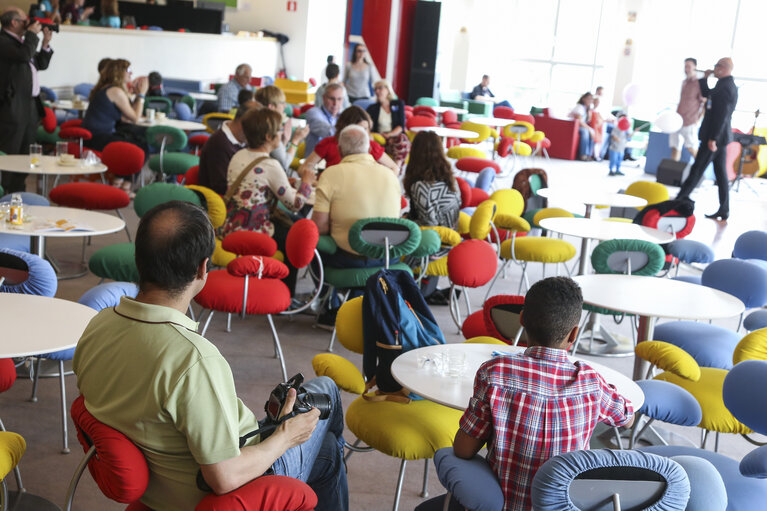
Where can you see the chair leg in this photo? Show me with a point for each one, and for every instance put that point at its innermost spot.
(33, 398)
(191, 312)
(229, 322)
(400, 480)
(207, 321)
(580, 332)
(502, 270)
(716, 442)
(618, 439)
(127, 231)
(703, 438)
(332, 340)
(425, 489)
(278, 347)
(448, 498)
(65, 448)
(455, 313)
(468, 303)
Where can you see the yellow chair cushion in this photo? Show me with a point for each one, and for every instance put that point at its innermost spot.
(301, 150)
(509, 201)
(651, 191)
(483, 132)
(437, 268)
(479, 228)
(536, 137)
(538, 249)
(618, 219)
(752, 347)
(279, 256)
(409, 431)
(511, 223)
(483, 339)
(378, 138)
(216, 206)
(12, 447)
(349, 325)
(668, 357)
(524, 136)
(340, 370)
(295, 163)
(708, 392)
(457, 152)
(544, 213)
(464, 221)
(494, 133)
(523, 148)
(447, 235)
(220, 256)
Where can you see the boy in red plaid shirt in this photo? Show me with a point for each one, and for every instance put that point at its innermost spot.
(537, 404)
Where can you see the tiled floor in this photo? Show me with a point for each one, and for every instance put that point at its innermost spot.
(372, 476)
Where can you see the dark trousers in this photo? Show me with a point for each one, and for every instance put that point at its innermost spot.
(703, 158)
(16, 134)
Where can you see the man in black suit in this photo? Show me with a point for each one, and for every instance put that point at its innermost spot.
(20, 105)
(714, 135)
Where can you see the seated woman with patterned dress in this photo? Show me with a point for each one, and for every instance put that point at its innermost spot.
(327, 148)
(388, 114)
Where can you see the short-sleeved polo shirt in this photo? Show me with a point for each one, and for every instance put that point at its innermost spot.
(144, 371)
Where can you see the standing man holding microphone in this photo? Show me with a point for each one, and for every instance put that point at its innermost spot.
(20, 105)
(714, 135)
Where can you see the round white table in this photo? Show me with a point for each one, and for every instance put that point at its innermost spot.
(492, 121)
(443, 109)
(592, 198)
(48, 166)
(40, 219)
(175, 123)
(203, 96)
(651, 298)
(455, 392)
(68, 105)
(446, 132)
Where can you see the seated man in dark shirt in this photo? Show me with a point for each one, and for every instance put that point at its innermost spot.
(482, 92)
(219, 149)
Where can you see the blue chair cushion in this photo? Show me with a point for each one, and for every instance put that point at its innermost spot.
(742, 492)
(14, 242)
(485, 179)
(40, 280)
(709, 345)
(472, 482)
(754, 464)
(738, 395)
(669, 403)
(107, 294)
(707, 491)
(29, 198)
(60, 355)
(551, 484)
(751, 245)
(744, 279)
(692, 279)
(689, 251)
(754, 321)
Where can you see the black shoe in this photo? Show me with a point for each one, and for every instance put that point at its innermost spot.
(628, 157)
(327, 320)
(441, 296)
(719, 216)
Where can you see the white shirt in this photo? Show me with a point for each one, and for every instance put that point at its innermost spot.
(230, 136)
(579, 111)
(384, 121)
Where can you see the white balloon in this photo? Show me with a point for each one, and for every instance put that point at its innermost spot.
(631, 93)
(668, 121)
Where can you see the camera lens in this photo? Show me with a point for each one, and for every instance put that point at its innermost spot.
(319, 401)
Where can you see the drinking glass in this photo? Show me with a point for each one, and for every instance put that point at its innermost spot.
(35, 154)
(455, 363)
(62, 148)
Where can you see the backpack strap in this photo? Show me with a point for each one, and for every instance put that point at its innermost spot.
(237, 182)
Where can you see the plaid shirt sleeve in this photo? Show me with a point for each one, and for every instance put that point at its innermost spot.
(615, 410)
(477, 420)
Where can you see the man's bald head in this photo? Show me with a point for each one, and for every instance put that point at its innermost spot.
(9, 15)
(172, 240)
(723, 67)
(354, 139)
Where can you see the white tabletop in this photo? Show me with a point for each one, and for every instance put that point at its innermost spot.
(443, 109)
(492, 121)
(657, 297)
(592, 198)
(446, 132)
(176, 123)
(204, 96)
(69, 105)
(42, 217)
(455, 392)
(37, 324)
(49, 165)
(605, 230)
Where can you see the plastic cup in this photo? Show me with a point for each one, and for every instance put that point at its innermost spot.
(150, 113)
(62, 148)
(455, 363)
(35, 154)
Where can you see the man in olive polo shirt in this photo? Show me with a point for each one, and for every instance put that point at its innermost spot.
(144, 371)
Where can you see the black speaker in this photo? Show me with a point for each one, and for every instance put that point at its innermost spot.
(671, 172)
(423, 60)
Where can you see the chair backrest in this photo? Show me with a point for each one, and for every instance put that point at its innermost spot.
(482, 220)
(27, 274)
(212, 202)
(501, 316)
(183, 111)
(743, 279)
(634, 257)
(591, 479)
(751, 245)
(527, 182)
(384, 238)
(509, 201)
(426, 101)
(349, 325)
(159, 193)
(123, 158)
(107, 295)
(301, 243)
(165, 138)
(651, 191)
(83, 89)
(28, 198)
(213, 121)
(158, 103)
(47, 94)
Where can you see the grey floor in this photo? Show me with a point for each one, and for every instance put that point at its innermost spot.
(248, 348)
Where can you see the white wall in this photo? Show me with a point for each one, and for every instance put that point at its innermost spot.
(203, 57)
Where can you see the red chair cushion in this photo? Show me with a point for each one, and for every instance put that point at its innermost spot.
(49, 121)
(503, 112)
(474, 326)
(75, 132)
(465, 188)
(449, 117)
(478, 196)
(123, 158)
(421, 120)
(301, 242)
(425, 110)
(7, 374)
(523, 117)
(472, 263)
(306, 107)
(474, 164)
(262, 494)
(261, 267)
(495, 301)
(72, 123)
(89, 196)
(138, 506)
(223, 292)
(402, 202)
(198, 140)
(192, 176)
(119, 467)
(504, 146)
(249, 243)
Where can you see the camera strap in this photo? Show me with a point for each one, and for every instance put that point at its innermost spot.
(266, 430)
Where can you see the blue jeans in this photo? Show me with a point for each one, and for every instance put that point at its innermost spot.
(585, 142)
(504, 103)
(616, 157)
(319, 461)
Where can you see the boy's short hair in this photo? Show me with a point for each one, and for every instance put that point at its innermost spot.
(244, 96)
(552, 308)
(332, 70)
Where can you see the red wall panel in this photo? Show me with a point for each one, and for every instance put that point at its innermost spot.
(375, 31)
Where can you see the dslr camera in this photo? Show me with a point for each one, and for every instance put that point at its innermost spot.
(305, 401)
(45, 22)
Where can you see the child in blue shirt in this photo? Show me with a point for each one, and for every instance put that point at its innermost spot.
(618, 138)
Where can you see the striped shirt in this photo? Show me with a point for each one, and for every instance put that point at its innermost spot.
(535, 405)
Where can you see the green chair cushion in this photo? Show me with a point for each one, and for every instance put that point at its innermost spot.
(656, 258)
(173, 163)
(430, 244)
(372, 251)
(175, 139)
(158, 193)
(346, 278)
(115, 262)
(43, 137)
(159, 103)
(327, 245)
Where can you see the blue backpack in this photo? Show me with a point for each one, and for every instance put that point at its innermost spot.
(395, 319)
